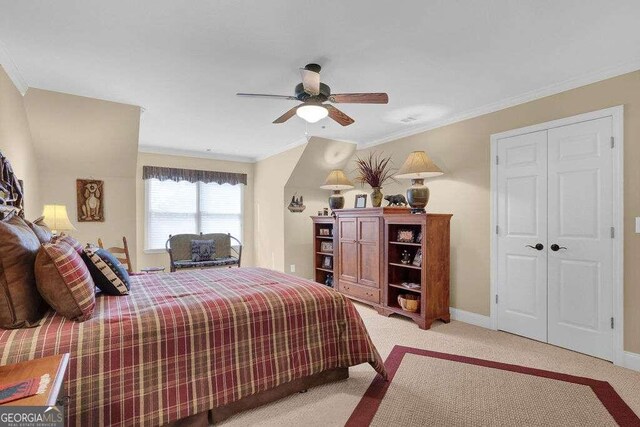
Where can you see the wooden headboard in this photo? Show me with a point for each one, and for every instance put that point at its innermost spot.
(11, 193)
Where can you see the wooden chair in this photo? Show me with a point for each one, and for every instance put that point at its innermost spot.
(118, 252)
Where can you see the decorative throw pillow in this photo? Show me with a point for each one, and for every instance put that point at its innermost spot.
(64, 281)
(41, 230)
(202, 250)
(108, 274)
(69, 241)
(20, 303)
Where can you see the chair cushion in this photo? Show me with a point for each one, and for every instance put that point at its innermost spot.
(20, 303)
(180, 244)
(107, 273)
(41, 230)
(216, 262)
(202, 250)
(64, 281)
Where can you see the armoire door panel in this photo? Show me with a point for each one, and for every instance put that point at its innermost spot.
(369, 265)
(369, 230)
(347, 229)
(348, 261)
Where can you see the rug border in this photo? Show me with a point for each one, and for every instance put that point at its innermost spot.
(368, 406)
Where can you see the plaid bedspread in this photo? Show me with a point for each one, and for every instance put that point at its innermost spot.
(186, 342)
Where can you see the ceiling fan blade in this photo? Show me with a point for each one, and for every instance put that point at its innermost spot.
(286, 116)
(260, 95)
(360, 98)
(310, 81)
(338, 115)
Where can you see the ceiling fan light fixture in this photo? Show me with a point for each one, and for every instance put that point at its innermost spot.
(312, 113)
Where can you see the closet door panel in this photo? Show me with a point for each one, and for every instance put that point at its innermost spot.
(522, 235)
(580, 220)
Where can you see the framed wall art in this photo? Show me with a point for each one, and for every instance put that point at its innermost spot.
(90, 200)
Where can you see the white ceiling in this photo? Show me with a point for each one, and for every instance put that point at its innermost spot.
(183, 62)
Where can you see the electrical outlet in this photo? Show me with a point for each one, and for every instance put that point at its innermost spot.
(292, 268)
(638, 225)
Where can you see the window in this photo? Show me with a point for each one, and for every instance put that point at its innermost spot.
(185, 207)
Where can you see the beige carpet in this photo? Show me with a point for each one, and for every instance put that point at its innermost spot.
(331, 405)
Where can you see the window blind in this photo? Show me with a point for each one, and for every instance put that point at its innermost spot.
(185, 207)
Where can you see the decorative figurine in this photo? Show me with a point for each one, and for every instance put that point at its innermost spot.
(406, 257)
(396, 200)
(329, 280)
(296, 204)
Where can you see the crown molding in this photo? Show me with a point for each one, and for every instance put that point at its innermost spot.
(553, 89)
(192, 153)
(12, 70)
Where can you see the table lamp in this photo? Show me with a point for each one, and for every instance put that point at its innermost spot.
(336, 181)
(417, 167)
(56, 218)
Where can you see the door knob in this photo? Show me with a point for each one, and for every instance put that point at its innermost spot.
(556, 248)
(538, 246)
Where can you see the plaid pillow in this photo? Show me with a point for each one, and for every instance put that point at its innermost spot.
(203, 250)
(64, 281)
(69, 241)
(106, 271)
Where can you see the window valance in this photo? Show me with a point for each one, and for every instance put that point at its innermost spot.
(193, 175)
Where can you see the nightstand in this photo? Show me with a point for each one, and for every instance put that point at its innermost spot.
(55, 366)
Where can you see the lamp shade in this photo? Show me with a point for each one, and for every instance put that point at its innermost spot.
(56, 218)
(312, 113)
(337, 180)
(417, 166)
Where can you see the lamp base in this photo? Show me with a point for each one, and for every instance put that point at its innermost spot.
(418, 196)
(336, 200)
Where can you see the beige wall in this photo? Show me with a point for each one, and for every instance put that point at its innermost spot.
(319, 157)
(298, 230)
(462, 150)
(16, 143)
(271, 176)
(77, 137)
(150, 258)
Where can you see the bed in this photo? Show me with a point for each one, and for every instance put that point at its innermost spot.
(189, 342)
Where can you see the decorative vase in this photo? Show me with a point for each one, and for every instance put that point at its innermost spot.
(376, 197)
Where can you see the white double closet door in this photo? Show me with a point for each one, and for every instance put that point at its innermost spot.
(555, 248)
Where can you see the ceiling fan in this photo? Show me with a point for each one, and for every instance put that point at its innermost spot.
(313, 94)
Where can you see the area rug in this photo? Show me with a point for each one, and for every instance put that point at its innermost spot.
(431, 388)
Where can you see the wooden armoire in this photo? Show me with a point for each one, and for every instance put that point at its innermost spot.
(368, 265)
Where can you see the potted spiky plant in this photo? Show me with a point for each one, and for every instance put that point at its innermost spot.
(374, 170)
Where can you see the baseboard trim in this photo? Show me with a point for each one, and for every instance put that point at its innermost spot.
(631, 361)
(471, 318)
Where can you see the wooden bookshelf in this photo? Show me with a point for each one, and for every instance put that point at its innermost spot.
(431, 239)
(324, 248)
